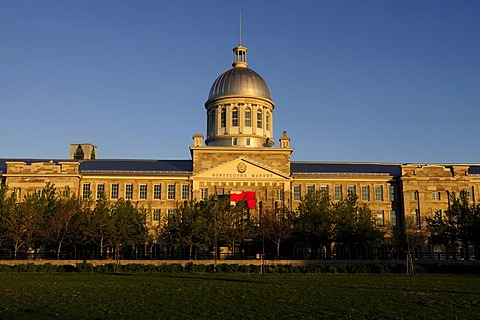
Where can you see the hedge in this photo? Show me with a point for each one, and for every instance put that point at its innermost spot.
(373, 268)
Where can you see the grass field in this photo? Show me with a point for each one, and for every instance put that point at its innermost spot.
(230, 296)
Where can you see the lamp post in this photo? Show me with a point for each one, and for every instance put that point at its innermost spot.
(215, 246)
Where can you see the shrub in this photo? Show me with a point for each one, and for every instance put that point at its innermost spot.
(106, 268)
(85, 267)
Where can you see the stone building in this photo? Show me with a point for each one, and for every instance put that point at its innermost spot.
(238, 154)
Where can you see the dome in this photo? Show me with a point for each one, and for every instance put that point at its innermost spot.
(240, 81)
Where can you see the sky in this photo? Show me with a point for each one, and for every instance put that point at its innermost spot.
(364, 81)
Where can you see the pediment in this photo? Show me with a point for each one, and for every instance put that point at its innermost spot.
(241, 169)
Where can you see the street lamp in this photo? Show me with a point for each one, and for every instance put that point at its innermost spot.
(215, 245)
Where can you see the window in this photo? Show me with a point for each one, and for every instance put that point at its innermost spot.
(259, 118)
(297, 192)
(393, 218)
(337, 193)
(278, 195)
(311, 189)
(248, 117)
(472, 194)
(365, 193)
(351, 191)
(171, 192)
(248, 141)
(380, 221)
(324, 189)
(143, 191)
(157, 191)
(223, 118)
(86, 191)
(235, 117)
(391, 193)
(18, 192)
(185, 191)
(378, 193)
(436, 196)
(100, 190)
(129, 191)
(65, 192)
(416, 218)
(414, 195)
(267, 121)
(114, 193)
(40, 193)
(204, 193)
(171, 213)
(156, 214)
(234, 141)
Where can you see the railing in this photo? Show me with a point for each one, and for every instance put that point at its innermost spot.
(334, 256)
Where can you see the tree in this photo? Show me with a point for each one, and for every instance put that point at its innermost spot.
(95, 222)
(126, 226)
(190, 226)
(15, 223)
(277, 225)
(61, 219)
(315, 224)
(458, 225)
(235, 224)
(355, 226)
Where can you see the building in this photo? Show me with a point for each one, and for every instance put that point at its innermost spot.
(238, 154)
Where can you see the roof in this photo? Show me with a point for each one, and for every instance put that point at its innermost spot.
(474, 170)
(239, 81)
(171, 166)
(348, 168)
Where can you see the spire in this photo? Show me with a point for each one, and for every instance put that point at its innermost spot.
(240, 52)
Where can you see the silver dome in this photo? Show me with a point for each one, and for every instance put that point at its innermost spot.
(239, 81)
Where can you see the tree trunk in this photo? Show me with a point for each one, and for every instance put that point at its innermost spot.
(278, 249)
(59, 249)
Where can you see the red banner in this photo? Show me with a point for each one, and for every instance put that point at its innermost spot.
(248, 196)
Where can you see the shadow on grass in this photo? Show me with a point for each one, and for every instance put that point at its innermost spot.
(213, 277)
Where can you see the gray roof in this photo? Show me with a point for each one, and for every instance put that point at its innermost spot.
(239, 81)
(348, 168)
(170, 166)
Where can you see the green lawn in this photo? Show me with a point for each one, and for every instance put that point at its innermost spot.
(229, 296)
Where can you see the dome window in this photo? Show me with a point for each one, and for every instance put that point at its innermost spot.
(235, 117)
(223, 117)
(248, 117)
(259, 118)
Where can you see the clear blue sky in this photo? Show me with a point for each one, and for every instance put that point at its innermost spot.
(379, 81)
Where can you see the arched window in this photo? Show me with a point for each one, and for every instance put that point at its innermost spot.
(267, 121)
(259, 118)
(235, 117)
(223, 118)
(79, 155)
(248, 117)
